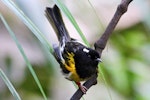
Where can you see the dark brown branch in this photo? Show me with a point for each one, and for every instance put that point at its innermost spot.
(101, 43)
(92, 81)
(121, 9)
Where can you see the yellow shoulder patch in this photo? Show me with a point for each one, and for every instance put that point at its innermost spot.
(70, 63)
(70, 66)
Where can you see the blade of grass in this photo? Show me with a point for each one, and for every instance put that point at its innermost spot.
(72, 20)
(9, 85)
(101, 71)
(105, 82)
(101, 26)
(10, 4)
(24, 56)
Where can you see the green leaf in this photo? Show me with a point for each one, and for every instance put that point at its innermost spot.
(97, 17)
(9, 85)
(28, 23)
(24, 56)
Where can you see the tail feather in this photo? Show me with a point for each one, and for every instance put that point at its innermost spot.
(55, 18)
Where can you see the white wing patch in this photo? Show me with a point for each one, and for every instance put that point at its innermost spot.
(86, 50)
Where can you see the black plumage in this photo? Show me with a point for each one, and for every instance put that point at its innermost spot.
(77, 61)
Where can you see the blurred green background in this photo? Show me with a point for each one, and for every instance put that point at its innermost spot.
(126, 58)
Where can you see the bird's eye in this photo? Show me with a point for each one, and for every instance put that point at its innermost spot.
(89, 56)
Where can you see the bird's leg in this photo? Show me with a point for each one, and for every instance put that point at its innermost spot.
(83, 88)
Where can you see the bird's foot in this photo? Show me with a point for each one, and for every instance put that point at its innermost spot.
(82, 88)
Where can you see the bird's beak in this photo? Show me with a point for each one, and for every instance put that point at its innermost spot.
(99, 60)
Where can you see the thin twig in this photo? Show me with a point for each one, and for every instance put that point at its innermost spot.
(101, 43)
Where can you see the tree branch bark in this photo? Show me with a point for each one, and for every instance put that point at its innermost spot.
(121, 9)
(102, 41)
(78, 94)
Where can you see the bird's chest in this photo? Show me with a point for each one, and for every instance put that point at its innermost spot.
(85, 67)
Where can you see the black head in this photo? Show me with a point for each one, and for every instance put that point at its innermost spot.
(92, 54)
(87, 61)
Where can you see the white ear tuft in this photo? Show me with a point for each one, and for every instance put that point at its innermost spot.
(86, 50)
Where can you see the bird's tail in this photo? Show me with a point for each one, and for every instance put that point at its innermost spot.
(55, 18)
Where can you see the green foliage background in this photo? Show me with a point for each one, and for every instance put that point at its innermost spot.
(126, 59)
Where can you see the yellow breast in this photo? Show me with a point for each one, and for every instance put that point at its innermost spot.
(70, 66)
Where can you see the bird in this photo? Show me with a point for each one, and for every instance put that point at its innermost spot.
(77, 61)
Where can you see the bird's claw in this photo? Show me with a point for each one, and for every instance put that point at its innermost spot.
(83, 89)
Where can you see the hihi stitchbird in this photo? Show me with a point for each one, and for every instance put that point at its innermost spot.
(78, 62)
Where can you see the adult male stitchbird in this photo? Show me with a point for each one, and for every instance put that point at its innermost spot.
(78, 62)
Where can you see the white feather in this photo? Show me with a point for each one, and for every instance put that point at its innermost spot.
(86, 50)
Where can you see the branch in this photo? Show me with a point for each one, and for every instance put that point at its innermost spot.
(78, 94)
(101, 43)
(121, 9)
